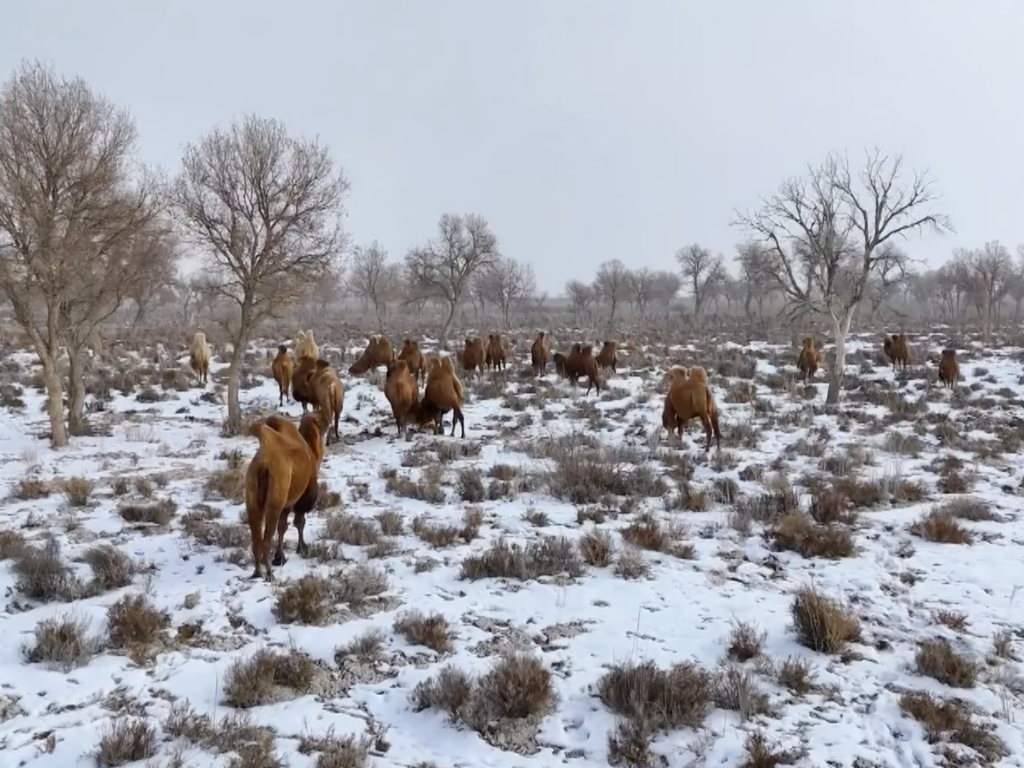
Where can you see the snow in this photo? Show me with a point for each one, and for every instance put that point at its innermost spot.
(683, 611)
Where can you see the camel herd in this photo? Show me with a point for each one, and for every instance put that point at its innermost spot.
(282, 478)
(895, 348)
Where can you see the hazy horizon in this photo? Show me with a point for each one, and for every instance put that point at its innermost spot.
(583, 131)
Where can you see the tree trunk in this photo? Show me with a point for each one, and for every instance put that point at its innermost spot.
(443, 341)
(76, 392)
(140, 313)
(234, 425)
(841, 328)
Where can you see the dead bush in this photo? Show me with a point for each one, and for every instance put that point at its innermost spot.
(597, 548)
(967, 508)
(433, 631)
(125, 740)
(942, 528)
(629, 744)
(822, 623)
(938, 659)
(955, 481)
(796, 532)
(548, 556)
(111, 568)
(951, 722)
(630, 564)
(953, 619)
(12, 544)
(391, 522)
(746, 641)
(255, 681)
(469, 484)
(517, 687)
(133, 622)
(590, 475)
(735, 689)
(761, 754)
(358, 584)
(62, 642)
(768, 507)
(426, 489)
(228, 484)
(1003, 645)
(41, 574)
(659, 699)
(338, 751)
(647, 532)
(158, 513)
(368, 647)
(306, 600)
(78, 491)
(349, 529)
(796, 674)
(30, 489)
(829, 506)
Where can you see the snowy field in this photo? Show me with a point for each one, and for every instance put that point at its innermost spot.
(561, 587)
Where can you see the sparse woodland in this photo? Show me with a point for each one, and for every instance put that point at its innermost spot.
(832, 583)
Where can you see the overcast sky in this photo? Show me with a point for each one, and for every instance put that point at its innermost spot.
(584, 130)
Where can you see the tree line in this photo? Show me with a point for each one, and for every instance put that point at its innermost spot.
(87, 229)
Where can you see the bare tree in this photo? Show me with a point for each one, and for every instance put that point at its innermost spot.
(643, 285)
(665, 287)
(443, 268)
(612, 286)
(509, 285)
(265, 209)
(824, 233)
(580, 296)
(755, 275)
(159, 252)
(701, 271)
(374, 279)
(992, 268)
(71, 208)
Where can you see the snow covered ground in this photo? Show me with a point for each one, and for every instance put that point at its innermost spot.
(650, 578)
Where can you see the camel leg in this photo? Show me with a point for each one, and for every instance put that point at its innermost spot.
(282, 529)
(706, 421)
(457, 414)
(300, 525)
(269, 529)
(256, 531)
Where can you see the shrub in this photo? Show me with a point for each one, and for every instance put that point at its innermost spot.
(941, 527)
(659, 699)
(125, 740)
(41, 574)
(30, 489)
(549, 556)
(391, 522)
(597, 548)
(746, 642)
(796, 674)
(253, 682)
(584, 474)
(349, 529)
(630, 564)
(157, 513)
(12, 544)
(338, 751)
(61, 642)
(796, 532)
(133, 622)
(822, 623)
(951, 721)
(433, 631)
(736, 690)
(111, 568)
(306, 600)
(78, 491)
(938, 659)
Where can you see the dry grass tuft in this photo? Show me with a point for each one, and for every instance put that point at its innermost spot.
(953, 619)
(349, 529)
(585, 474)
(338, 751)
(762, 754)
(134, 623)
(368, 647)
(125, 740)
(12, 544)
(746, 642)
(111, 568)
(433, 631)
(62, 642)
(252, 744)
(951, 722)
(736, 690)
(822, 623)
(257, 680)
(391, 522)
(516, 688)
(656, 699)
(647, 532)
(630, 564)
(41, 574)
(967, 508)
(797, 532)
(941, 527)
(597, 548)
(31, 489)
(938, 659)
(157, 513)
(306, 600)
(795, 674)
(78, 491)
(548, 556)
(227, 484)
(1003, 645)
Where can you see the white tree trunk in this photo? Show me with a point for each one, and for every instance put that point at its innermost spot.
(841, 329)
